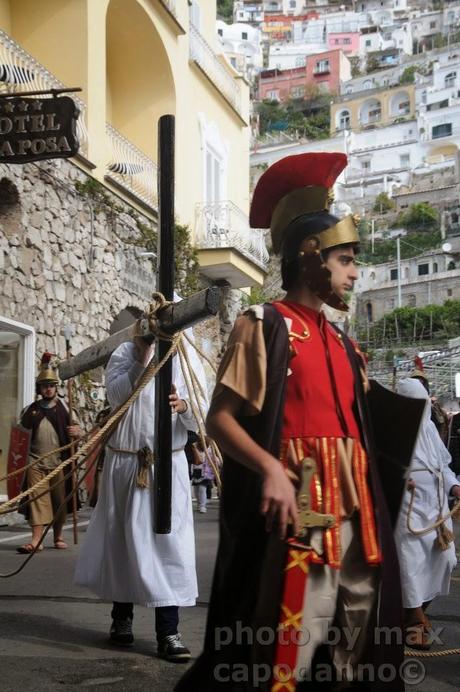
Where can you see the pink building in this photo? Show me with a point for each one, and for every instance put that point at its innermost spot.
(324, 70)
(346, 41)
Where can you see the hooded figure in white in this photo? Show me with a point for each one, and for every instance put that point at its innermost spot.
(425, 568)
(122, 559)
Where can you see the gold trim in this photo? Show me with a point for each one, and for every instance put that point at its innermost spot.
(302, 200)
(343, 232)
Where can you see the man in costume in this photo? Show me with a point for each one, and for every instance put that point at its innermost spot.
(48, 419)
(290, 389)
(425, 544)
(438, 415)
(122, 559)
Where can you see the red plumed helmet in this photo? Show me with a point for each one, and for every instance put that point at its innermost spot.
(46, 358)
(314, 170)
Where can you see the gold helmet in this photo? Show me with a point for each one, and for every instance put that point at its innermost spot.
(46, 372)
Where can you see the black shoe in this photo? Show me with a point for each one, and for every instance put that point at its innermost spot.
(172, 649)
(121, 632)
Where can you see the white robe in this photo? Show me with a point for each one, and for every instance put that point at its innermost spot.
(122, 559)
(425, 569)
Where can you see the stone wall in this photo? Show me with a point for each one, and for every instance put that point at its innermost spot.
(68, 257)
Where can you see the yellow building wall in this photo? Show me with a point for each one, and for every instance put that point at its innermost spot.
(5, 16)
(132, 62)
(385, 98)
(54, 32)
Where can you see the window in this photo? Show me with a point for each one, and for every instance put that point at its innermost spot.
(244, 35)
(298, 92)
(347, 41)
(344, 120)
(273, 95)
(393, 274)
(195, 14)
(449, 292)
(220, 32)
(432, 25)
(449, 79)
(213, 177)
(366, 164)
(375, 114)
(368, 43)
(321, 66)
(451, 265)
(439, 104)
(369, 312)
(233, 62)
(444, 130)
(404, 107)
(435, 267)
(423, 269)
(404, 160)
(17, 345)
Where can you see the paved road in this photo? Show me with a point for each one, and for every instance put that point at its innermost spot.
(53, 635)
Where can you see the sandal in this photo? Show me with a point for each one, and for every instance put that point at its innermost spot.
(416, 637)
(28, 548)
(60, 544)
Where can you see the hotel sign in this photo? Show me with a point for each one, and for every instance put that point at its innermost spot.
(33, 129)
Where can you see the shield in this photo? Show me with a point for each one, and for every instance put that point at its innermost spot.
(18, 457)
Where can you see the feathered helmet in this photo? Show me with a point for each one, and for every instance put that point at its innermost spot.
(419, 371)
(47, 373)
(292, 198)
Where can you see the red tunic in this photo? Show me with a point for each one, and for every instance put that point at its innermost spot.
(312, 408)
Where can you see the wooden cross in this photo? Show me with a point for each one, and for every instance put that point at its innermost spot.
(171, 319)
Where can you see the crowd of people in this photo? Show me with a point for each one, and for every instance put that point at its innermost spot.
(317, 509)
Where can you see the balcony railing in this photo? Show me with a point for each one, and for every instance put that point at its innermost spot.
(131, 168)
(20, 72)
(224, 225)
(202, 53)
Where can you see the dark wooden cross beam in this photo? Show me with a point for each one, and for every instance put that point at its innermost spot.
(172, 319)
(166, 272)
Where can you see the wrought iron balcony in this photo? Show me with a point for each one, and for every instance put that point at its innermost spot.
(203, 55)
(19, 72)
(131, 169)
(224, 225)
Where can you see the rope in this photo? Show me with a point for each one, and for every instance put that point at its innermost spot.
(431, 654)
(200, 352)
(151, 370)
(454, 512)
(47, 529)
(192, 383)
(78, 459)
(42, 457)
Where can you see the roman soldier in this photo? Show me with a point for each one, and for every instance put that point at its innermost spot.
(49, 422)
(306, 543)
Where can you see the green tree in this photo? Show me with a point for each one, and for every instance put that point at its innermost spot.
(420, 215)
(225, 10)
(408, 75)
(372, 63)
(383, 203)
